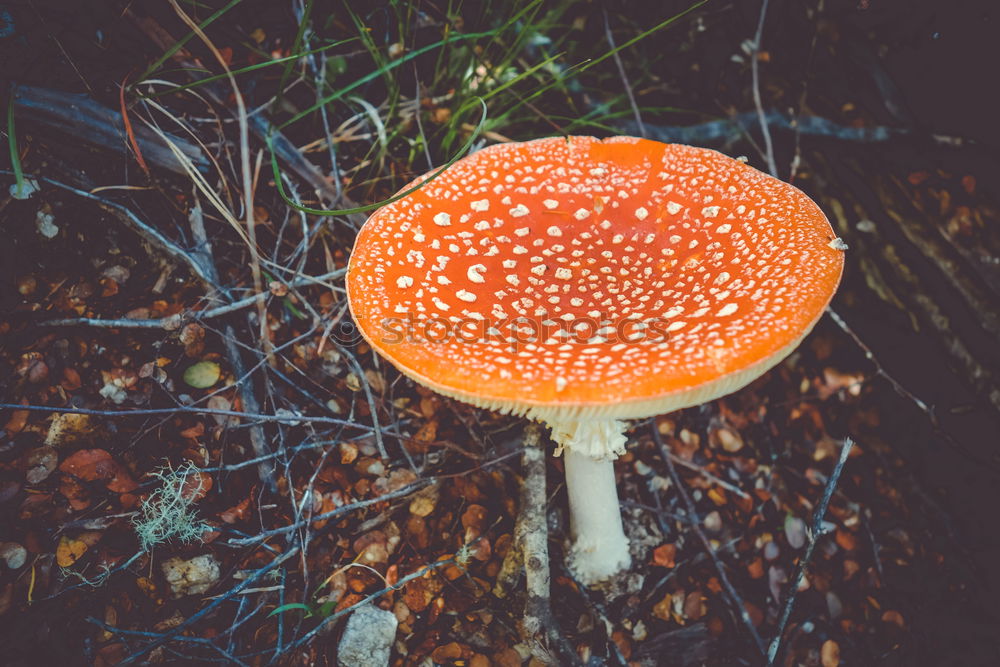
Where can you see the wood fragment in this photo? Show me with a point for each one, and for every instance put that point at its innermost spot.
(86, 120)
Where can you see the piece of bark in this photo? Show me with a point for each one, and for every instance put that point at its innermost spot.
(86, 120)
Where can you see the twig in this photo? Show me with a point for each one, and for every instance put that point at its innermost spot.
(735, 600)
(258, 442)
(534, 538)
(815, 533)
(132, 221)
(245, 172)
(398, 493)
(621, 72)
(709, 476)
(175, 321)
(86, 120)
(879, 370)
(731, 128)
(420, 123)
(197, 616)
(876, 549)
(129, 132)
(150, 412)
(772, 167)
(319, 76)
(306, 638)
(907, 394)
(350, 507)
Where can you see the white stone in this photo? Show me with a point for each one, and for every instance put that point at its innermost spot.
(368, 638)
(191, 577)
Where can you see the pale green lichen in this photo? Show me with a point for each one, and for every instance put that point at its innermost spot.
(168, 513)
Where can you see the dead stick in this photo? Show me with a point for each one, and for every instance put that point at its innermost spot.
(621, 73)
(258, 441)
(772, 166)
(735, 599)
(291, 420)
(814, 535)
(86, 120)
(534, 537)
(175, 321)
(539, 622)
(132, 221)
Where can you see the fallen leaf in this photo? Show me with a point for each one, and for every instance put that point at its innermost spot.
(39, 463)
(45, 223)
(193, 432)
(191, 577)
(830, 654)
(236, 512)
(450, 652)
(196, 486)
(68, 427)
(192, 337)
(71, 488)
(71, 379)
(661, 609)
(474, 518)
(69, 551)
(18, 420)
(92, 465)
(222, 404)
(372, 548)
(728, 438)
(427, 432)
(203, 374)
(89, 465)
(894, 617)
(694, 605)
(665, 555)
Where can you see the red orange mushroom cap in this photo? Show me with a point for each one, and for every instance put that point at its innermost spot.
(575, 278)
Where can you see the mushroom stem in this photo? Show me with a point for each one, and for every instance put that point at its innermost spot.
(600, 548)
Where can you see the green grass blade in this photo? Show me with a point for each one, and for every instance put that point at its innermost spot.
(382, 70)
(369, 207)
(296, 44)
(250, 68)
(184, 40)
(15, 158)
(582, 67)
(290, 606)
(643, 35)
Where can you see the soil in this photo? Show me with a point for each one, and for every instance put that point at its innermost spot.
(908, 571)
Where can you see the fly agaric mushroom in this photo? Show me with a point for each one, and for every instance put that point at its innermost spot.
(583, 282)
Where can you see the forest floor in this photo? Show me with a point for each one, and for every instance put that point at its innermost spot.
(201, 461)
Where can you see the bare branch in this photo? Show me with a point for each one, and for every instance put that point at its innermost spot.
(734, 597)
(621, 72)
(772, 166)
(815, 533)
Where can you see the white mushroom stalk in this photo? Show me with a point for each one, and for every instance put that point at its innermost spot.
(600, 549)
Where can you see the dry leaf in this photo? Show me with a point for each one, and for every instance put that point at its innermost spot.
(202, 375)
(665, 555)
(39, 463)
(92, 465)
(830, 654)
(70, 549)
